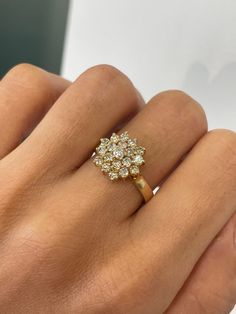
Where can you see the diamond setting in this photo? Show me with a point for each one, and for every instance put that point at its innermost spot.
(116, 165)
(119, 156)
(127, 162)
(124, 172)
(138, 160)
(134, 170)
(113, 175)
(118, 153)
(106, 167)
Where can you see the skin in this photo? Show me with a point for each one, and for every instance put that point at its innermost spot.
(71, 241)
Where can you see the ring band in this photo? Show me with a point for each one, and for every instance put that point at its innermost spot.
(143, 187)
(120, 157)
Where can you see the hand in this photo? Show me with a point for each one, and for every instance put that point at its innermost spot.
(72, 241)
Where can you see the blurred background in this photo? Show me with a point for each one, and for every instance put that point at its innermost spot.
(32, 31)
(182, 44)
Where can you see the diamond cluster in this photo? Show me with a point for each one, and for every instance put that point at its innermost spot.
(119, 156)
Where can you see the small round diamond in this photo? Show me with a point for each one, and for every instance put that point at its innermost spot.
(127, 162)
(108, 157)
(116, 165)
(111, 146)
(115, 138)
(113, 175)
(134, 170)
(140, 150)
(124, 137)
(101, 149)
(124, 172)
(118, 153)
(98, 161)
(132, 143)
(104, 141)
(122, 144)
(129, 152)
(138, 160)
(106, 167)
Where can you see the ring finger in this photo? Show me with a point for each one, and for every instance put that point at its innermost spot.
(168, 127)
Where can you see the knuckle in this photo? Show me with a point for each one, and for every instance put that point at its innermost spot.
(226, 139)
(173, 93)
(184, 108)
(35, 82)
(104, 71)
(225, 143)
(28, 76)
(22, 70)
(104, 77)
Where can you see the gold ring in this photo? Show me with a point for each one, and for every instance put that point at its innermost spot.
(120, 157)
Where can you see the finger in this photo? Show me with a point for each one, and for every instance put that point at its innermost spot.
(26, 94)
(211, 287)
(168, 127)
(99, 100)
(187, 213)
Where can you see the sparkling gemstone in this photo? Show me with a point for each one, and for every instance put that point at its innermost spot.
(138, 160)
(124, 137)
(134, 170)
(111, 146)
(119, 156)
(104, 141)
(124, 172)
(127, 162)
(118, 153)
(108, 157)
(106, 167)
(129, 152)
(132, 143)
(116, 165)
(140, 150)
(115, 138)
(113, 175)
(101, 149)
(122, 144)
(98, 161)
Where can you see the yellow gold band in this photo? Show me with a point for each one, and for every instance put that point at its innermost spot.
(143, 187)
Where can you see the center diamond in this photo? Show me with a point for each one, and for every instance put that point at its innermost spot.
(118, 153)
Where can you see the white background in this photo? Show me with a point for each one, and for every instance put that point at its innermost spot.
(183, 44)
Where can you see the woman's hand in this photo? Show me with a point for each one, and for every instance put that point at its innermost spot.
(72, 241)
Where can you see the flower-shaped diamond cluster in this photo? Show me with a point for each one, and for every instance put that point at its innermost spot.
(119, 156)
